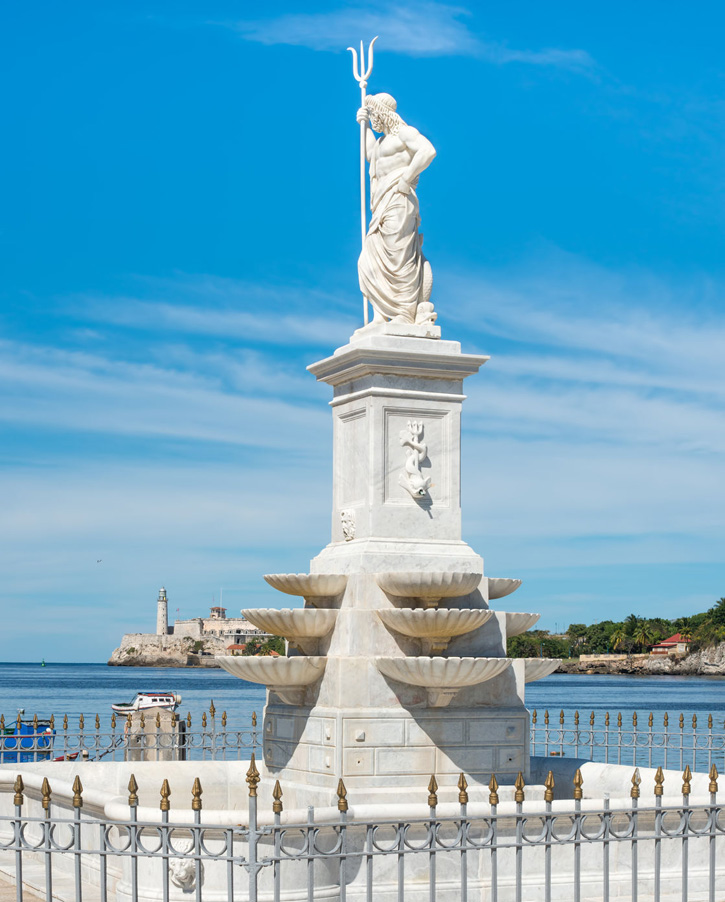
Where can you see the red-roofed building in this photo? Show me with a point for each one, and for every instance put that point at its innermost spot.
(236, 647)
(674, 645)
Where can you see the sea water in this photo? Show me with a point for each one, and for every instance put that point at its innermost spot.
(90, 689)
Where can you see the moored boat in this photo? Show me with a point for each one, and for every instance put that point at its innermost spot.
(145, 700)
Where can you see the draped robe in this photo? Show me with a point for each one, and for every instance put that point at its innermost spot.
(390, 266)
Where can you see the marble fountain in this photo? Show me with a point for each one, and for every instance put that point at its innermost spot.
(396, 666)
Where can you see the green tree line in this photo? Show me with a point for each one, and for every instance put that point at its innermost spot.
(632, 635)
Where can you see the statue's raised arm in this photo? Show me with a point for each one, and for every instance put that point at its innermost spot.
(394, 275)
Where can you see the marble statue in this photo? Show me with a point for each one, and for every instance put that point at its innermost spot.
(394, 273)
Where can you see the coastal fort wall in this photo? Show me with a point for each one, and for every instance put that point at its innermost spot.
(188, 643)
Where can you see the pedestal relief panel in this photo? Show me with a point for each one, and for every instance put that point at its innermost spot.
(416, 440)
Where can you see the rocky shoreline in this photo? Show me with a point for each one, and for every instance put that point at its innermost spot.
(706, 662)
(142, 650)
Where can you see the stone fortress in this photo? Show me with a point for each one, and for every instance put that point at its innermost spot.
(194, 642)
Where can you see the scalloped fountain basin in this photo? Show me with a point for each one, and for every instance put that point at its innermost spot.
(498, 587)
(308, 585)
(288, 677)
(518, 622)
(538, 668)
(435, 627)
(442, 677)
(302, 626)
(429, 586)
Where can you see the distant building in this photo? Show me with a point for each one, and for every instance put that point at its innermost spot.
(162, 614)
(675, 644)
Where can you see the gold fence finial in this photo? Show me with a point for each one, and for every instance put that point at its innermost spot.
(578, 783)
(634, 718)
(51, 722)
(682, 721)
(113, 721)
(519, 784)
(19, 719)
(252, 777)
(341, 796)
(158, 720)
(666, 720)
(694, 721)
(709, 721)
(188, 719)
(591, 719)
(686, 778)
(81, 723)
(19, 786)
(659, 780)
(2, 721)
(254, 718)
(142, 721)
(713, 779)
(432, 794)
(546, 716)
(196, 792)
(35, 722)
(165, 804)
(224, 718)
(576, 718)
(636, 780)
(533, 716)
(277, 796)
(561, 716)
(98, 722)
(619, 719)
(606, 719)
(212, 709)
(203, 718)
(132, 792)
(549, 787)
(462, 787)
(77, 792)
(492, 787)
(650, 719)
(45, 794)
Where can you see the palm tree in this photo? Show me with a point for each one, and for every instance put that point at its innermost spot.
(630, 624)
(643, 634)
(618, 638)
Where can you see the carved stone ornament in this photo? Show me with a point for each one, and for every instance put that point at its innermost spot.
(416, 451)
(348, 524)
(182, 871)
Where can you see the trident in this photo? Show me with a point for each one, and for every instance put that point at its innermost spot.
(361, 73)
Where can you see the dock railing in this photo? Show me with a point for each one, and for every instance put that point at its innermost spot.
(59, 843)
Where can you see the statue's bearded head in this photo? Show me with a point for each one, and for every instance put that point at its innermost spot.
(383, 117)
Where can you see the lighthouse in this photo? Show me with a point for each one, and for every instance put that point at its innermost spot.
(162, 614)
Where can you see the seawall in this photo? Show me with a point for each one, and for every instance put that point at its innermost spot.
(705, 662)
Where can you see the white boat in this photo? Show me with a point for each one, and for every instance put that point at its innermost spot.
(146, 700)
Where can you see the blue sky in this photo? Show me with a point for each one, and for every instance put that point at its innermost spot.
(178, 240)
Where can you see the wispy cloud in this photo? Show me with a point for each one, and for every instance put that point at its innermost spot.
(421, 29)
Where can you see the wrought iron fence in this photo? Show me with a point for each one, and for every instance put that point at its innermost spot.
(630, 740)
(505, 852)
(124, 738)
(614, 739)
